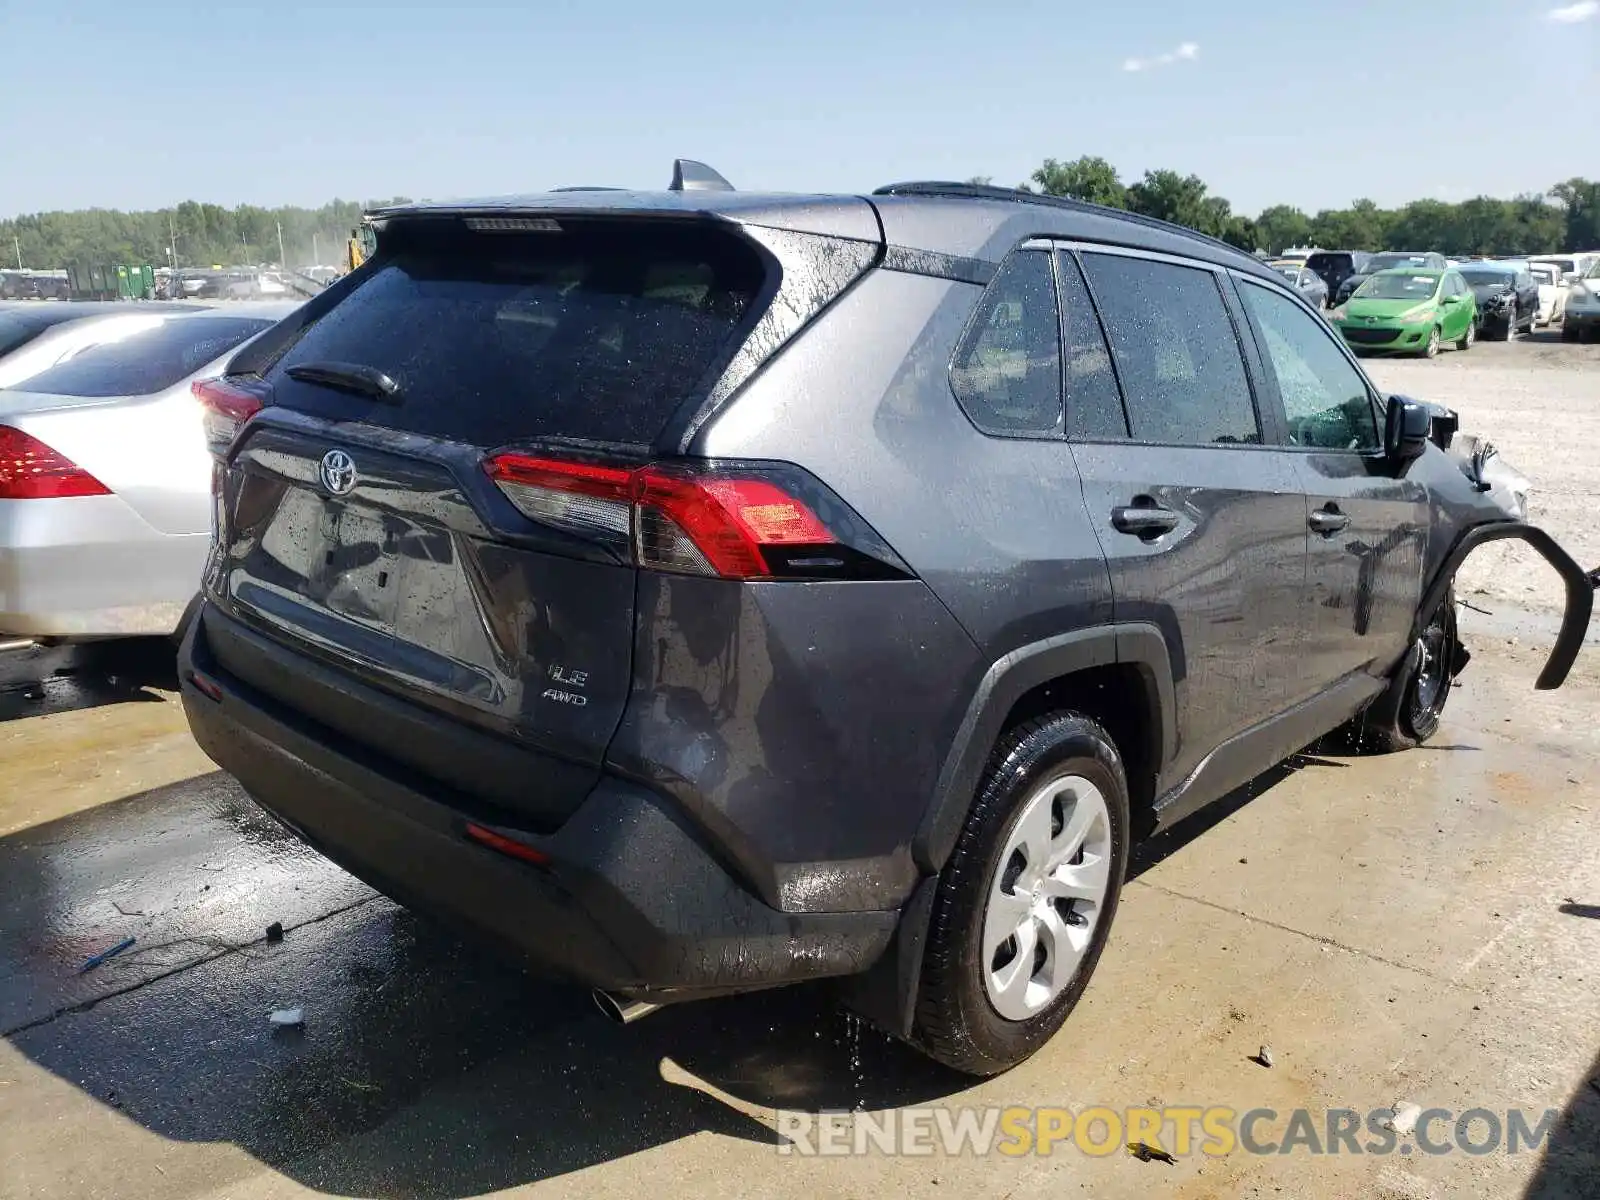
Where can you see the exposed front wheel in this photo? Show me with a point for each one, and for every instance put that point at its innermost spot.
(1408, 712)
(1431, 350)
(1466, 340)
(1025, 903)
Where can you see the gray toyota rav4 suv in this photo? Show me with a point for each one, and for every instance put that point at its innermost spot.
(700, 591)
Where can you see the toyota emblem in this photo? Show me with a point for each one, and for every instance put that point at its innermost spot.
(338, 473)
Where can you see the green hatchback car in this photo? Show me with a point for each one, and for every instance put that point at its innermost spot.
(1409, 311)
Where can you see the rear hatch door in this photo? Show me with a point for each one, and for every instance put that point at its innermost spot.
(359, 526)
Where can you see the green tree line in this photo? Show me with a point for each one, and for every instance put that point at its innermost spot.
(197, 235)
(1567, 218)
(202, 235)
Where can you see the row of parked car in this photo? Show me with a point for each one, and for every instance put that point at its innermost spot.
(1415, 302)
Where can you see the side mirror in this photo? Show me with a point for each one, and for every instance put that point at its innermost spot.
(1570, 277)
(1406, 427)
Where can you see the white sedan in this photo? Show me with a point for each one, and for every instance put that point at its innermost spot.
(105, 480)
(1552, 292)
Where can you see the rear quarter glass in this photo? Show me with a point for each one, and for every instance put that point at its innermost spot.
(597, 332)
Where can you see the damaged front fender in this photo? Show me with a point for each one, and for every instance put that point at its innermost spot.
(1580, 587)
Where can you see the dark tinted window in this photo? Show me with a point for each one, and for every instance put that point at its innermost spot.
(596, 332)
(1324, 397)
(150, 361)
(1094, 404)
(1007, 370)
(1325, 264)
(1176, 351)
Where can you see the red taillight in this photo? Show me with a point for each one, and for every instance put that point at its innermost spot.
(227, 406)
(499, 841)
(31, 470)
(700, 522)
(206, 686)
(726, 521)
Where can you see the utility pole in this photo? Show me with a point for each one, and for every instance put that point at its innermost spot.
(316, 257)
(172, 240)
(16, 243)
(282, 258)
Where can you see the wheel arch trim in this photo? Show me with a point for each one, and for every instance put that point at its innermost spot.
(1013, 675)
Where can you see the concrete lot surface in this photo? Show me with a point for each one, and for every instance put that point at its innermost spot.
(1421, 928)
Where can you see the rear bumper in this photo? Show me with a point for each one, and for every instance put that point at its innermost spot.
(89, 566)
(1584, 318)
(628, 899)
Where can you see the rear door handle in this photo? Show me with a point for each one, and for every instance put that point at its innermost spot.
(1146, 521)
(1328, 521)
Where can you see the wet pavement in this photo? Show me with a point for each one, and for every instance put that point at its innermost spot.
(1420, 927)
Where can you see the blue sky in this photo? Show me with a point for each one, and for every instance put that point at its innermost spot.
(142, 103)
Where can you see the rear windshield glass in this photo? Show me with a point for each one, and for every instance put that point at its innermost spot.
(597, 332)
(150, 361)
(1328, 262)
(1485, 277)
(18, 330)
(1383, 262)
(1398, 286)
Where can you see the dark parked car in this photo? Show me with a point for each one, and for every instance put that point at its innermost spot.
(1508, 297)
(1308, 282)
(1335, 266)
(701, 591)
(1388, 260)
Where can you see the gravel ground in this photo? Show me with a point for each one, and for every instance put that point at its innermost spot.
(1538, 401)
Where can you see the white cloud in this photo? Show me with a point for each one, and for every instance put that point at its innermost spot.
(1573, 13)
(1189, 51)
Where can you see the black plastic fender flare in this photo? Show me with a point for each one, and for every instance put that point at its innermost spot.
(1580, 587)
(1136, 643)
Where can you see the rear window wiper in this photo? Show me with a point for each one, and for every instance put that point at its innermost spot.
(348, 377)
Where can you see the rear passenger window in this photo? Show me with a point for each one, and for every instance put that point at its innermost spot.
(1176, 352)
(1324, 398)
(1094, 406)
(1006, 373)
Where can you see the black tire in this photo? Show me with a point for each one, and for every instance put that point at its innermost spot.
(1431, 348)
(1408, 712)
(1510, 333)
(1569, 333)
(955, 1022)
(1466, 340)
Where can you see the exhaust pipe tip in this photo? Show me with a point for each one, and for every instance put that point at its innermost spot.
(620, 1009)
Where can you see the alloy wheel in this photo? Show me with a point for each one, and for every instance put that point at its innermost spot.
(1047, 895)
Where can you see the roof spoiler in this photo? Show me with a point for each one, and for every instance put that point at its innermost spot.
(691, 176)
